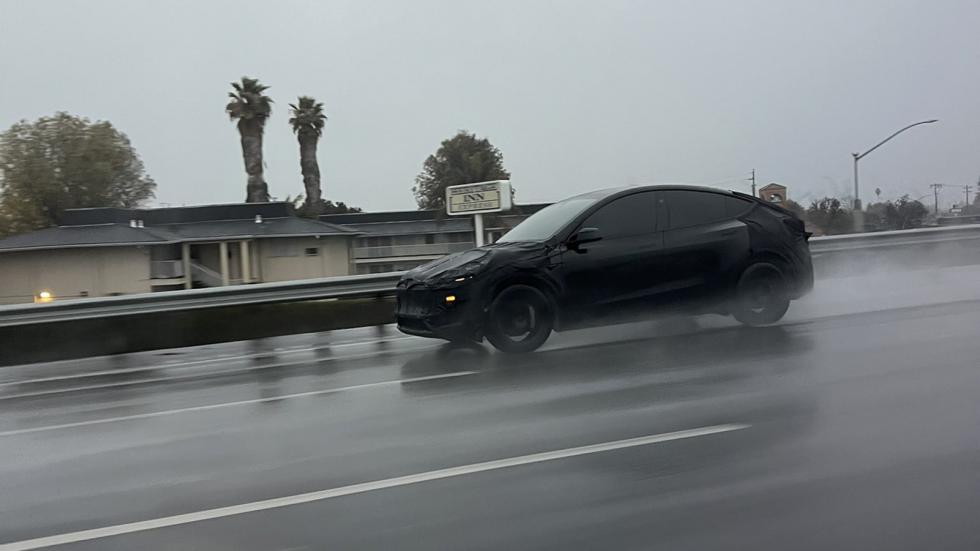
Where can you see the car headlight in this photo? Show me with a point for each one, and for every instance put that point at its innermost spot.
(460, 274)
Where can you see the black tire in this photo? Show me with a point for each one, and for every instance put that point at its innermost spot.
(761, 297)
(519, 320)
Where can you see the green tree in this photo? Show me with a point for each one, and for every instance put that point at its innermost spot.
(322, 207)
(251, 108)
(307, 122)
(907, 213)
(329, 207)
(876, 215)
(64, 162)
(462, 159)
(829, 216)
(903, 214)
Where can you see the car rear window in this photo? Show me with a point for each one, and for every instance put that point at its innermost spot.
(736, 206)
(692, 208)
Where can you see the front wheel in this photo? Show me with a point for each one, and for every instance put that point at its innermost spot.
(519, 320)
(761, 297)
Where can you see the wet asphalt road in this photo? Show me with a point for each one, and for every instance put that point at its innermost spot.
(847, 429)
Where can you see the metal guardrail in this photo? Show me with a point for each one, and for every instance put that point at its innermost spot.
(358, 286)
(378, 285)
(896, 238)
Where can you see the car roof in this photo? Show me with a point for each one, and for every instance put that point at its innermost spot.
(626, 190)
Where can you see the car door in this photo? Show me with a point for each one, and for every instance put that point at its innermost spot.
(704, 242)
(612, 276)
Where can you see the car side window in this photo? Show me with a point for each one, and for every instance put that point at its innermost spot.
(692, 208)
(624, 217)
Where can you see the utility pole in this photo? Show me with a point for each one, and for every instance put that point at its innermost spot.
(752, 179)
(967, 189)
(935, 191)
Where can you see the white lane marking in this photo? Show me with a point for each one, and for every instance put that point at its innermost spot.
(202, 375)
(275, 503)
(237, 403)
(216, 359)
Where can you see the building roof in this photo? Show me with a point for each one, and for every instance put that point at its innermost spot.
(108, 227)
(84, 236)
(176, 215)
(773, 185)
(388, 216)
(411, 227)
(113, 227)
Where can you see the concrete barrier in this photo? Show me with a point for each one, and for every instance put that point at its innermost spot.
(62, 340)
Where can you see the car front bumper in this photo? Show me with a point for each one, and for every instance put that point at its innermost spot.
(423, 311)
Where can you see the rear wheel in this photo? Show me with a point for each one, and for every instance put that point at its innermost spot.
(761, 296)
(519, 320)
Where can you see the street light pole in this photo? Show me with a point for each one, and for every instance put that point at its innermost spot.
(857, 198)
(859, 156)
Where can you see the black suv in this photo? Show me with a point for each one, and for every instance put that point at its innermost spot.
(611, 256)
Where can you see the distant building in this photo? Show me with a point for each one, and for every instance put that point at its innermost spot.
(111, 251)
(402, 240)
(774, 193)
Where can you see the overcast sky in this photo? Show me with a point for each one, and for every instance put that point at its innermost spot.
(577, 95)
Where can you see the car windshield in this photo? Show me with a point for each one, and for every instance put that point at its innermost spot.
(547, 221)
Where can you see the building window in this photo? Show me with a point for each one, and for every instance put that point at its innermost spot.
(407, 240)
(311, 251)
(430, 239)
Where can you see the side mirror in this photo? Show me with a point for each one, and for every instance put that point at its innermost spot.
(583, 236)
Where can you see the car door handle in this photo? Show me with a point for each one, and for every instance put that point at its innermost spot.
(726, 233)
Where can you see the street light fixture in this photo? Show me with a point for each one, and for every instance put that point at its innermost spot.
(859, 156)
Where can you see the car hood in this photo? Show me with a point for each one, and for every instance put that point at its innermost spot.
(478, 261)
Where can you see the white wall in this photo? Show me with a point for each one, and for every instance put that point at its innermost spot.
(99, 271)
(284, 259)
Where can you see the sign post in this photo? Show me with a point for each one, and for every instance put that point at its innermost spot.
(477, 199)
(478, 229)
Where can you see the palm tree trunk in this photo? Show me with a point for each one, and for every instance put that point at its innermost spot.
(310, 168)
(256, 190)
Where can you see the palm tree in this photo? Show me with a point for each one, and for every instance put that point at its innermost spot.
(250, 107)
(307, 122)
